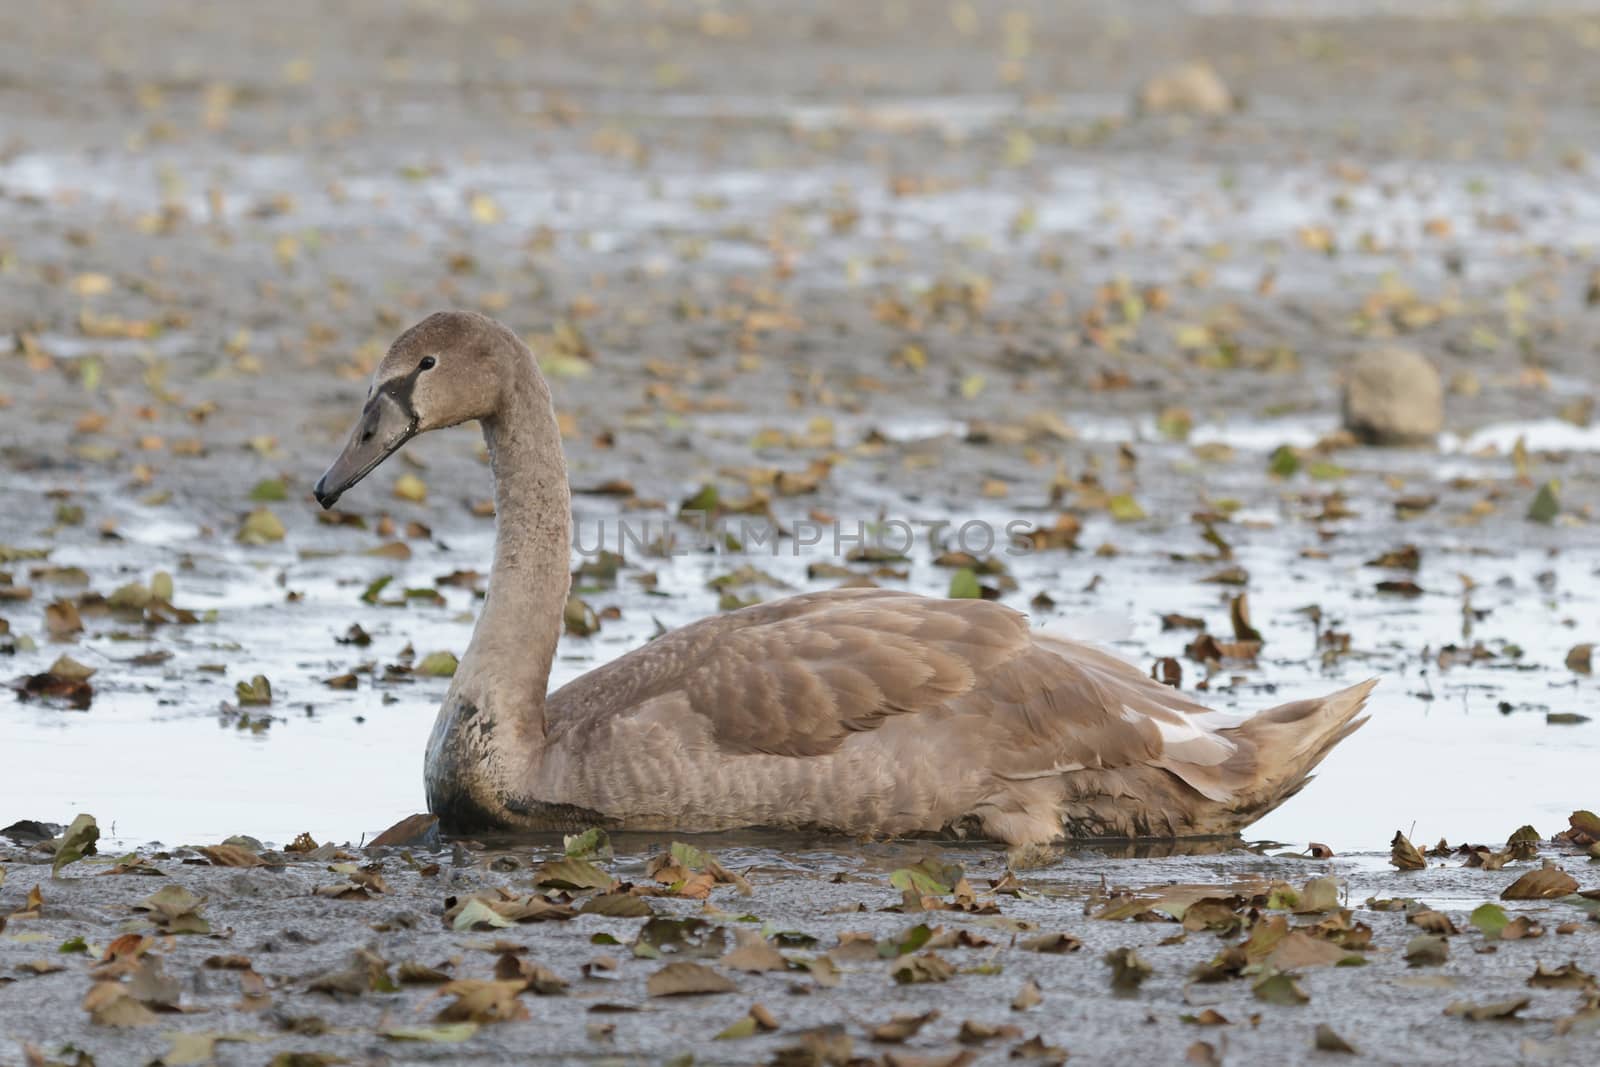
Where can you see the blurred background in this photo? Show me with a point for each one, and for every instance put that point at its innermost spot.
(1288, 302)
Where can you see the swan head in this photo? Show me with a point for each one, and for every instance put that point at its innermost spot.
(447, 369)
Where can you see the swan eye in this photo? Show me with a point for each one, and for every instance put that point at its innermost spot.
(428, 363)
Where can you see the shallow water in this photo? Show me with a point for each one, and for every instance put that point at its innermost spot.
(1463, 752)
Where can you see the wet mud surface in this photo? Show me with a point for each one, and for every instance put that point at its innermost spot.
(922, 264)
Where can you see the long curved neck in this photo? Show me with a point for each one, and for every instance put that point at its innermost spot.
(517, 632)
(488, 741)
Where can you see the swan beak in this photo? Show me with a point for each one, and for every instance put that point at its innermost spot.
(385, 425)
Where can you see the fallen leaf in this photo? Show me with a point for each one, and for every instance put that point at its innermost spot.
(927, 967)
(1128, 969)
(175, 910)
(903, 1027)
(1427, 950)
(687, 979)
(261, 527)
(1328, 1040)
(231, 856)
(1544, 883)
(450, 1033)
(437, 665)
(481, 1001)
(1499, 1009)
(1404, 855)
(1567, 976)
(76, 843)
(1275, 987)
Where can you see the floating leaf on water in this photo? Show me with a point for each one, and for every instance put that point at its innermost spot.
(1239, 615)
(578, 618)
(437, 665)
(261, 527)
(1124, 508)
(1284, 462)
(964, 585)
(410, 487)
(269, 490)
(1546, 503)
(370, 596)
(257, 692)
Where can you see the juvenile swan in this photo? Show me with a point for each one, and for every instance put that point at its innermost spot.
(860, 711)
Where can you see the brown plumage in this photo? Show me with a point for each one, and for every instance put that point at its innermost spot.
(863, 711)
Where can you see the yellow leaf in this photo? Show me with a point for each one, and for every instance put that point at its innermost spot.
(484, 209)
(410, 487)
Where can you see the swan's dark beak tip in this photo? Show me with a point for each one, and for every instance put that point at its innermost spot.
(325, 496)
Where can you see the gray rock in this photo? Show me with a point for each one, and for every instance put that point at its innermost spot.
(1393, 396)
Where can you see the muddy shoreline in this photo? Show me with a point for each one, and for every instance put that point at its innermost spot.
(922, 262)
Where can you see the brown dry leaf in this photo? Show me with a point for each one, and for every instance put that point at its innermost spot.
(536, 979)
(753, 953)
(1404, 855)
(411, 972)
(110, 1004)
(480, 1001)
(1427, 950)
(687, 979)
(1542, 884)
(231, 856)
(926, 967)
(1499, 1009)
(902, 1027)
(1568, 976)
(1433, 922)
(1299, 950)
(1128, 969)
(974, 1032)
(1239, 616)
(61, 619)
(175, 910)
(1057, 942)
(1328, 1040)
